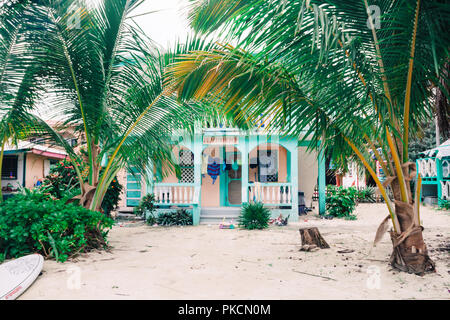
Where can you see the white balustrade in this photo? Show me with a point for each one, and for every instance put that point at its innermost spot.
(251, 193)
(174, 194)
(445, 190)
(270, 194)
(273, 195)
(427, 167)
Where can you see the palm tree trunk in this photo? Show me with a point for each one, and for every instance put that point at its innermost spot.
(88, 188)
(410, 253)
(442, 108)
(87, 193)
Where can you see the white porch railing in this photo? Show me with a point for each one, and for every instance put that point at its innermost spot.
(175, 193)
(427, 167)
(445, 185)
(271, 193)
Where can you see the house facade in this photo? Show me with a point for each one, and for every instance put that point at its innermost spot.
(26, 164)
(434, 168)
(222, 168)
(354, 177)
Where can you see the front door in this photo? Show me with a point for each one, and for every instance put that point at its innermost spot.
(133, 187)
(233, 181)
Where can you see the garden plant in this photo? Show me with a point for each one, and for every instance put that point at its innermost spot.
(32, 222)
(254, 215)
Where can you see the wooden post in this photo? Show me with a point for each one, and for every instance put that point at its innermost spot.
(321, 182)
(197, 148)
(439, 179)
(243, 147)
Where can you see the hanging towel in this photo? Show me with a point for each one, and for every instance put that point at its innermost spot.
(213, 168)
(204, 164)
(267, 166)
(253, 163)
(264, 166)
(214, 159)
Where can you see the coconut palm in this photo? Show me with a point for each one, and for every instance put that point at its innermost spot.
(100, 74)
(115, 93)
(18, 83)
(357, 75)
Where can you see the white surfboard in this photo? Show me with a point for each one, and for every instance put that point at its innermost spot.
(17, 275)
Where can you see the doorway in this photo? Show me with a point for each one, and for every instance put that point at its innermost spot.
(233, 179)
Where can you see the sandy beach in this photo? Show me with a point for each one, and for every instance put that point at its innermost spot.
(204, 262)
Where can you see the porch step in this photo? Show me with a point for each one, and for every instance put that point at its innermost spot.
(217, 219)
(216, 215)
(125, 209)
(127, 217)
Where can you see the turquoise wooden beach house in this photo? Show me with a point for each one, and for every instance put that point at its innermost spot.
(223, 167)
(434, 167)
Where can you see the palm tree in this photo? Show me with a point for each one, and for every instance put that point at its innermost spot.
(104, 77)
(18, 83)
(354, 75)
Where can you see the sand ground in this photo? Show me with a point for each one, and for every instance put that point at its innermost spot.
(205, 262)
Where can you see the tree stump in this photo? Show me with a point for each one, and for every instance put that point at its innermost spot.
(312, 237)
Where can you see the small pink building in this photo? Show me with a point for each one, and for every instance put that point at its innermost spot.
(26, 164)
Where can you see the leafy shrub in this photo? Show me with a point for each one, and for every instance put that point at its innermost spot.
(444, 205)
(62, 183)
(366, 194)
(62, 180)
(180, 217)
(33, 222)
(341, 202)
(112, 196)
(254, 216)
(146, 208)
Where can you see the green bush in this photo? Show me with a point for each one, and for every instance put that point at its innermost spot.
(62, 183)
(254, 216)
(366, 194)
(33, 222)
(444, 205)
(147, 209)
(341, 202)
(112, 196)
(180, 217)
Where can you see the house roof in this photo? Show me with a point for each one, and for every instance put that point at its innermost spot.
(42, 150)
(439, 152)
